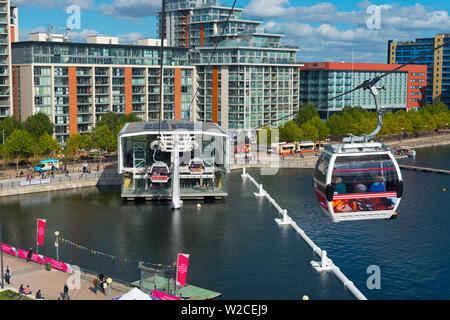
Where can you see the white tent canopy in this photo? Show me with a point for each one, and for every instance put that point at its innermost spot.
(134, 294)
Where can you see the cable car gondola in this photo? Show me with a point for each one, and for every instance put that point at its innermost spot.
(159, 173)
(359, 179)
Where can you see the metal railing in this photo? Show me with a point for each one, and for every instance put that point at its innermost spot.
(24, 183)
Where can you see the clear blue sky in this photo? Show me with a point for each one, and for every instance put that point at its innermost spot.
(324, 31)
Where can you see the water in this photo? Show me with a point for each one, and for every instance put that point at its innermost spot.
(237, 249)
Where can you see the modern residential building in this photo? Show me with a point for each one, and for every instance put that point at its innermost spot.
(438, 63)
(320, 81)
(76, 83)
(7, 35)
(245, 77)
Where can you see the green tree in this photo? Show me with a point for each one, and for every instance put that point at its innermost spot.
(19, 145)
(322, 130)
(306, 113)
(103, 139)
(72, 147)
(309, 132)
(289, 132)
(47, 144)
(110, 119)
(39, 124)
(7, 126)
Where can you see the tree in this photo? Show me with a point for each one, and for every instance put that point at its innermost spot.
(7, 126)
(308, 132)
(289, 132)
(19, 145)
(103, 139)
(73, 146)
(306, 113)
(47, 144)
(39, 124)
(322, 130)
(268, 134)
(110, 119)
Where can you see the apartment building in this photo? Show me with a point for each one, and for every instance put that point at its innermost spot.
(76, 83)
(321, 81)
(8, 34)
(437, 62)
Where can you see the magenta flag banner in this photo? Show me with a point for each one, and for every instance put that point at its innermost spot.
(40, 231)
(182, 267)
(164, 296)
(8, 249)
(34, 257)
(58, 265)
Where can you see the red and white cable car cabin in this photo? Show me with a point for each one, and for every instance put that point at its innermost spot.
(358, 182)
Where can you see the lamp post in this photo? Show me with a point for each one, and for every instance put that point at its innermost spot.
(109, 281)
(57, 245)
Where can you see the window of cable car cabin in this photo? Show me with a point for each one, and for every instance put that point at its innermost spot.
(366, 173)
(320, 173)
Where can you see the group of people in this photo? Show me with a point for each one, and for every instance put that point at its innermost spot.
(100, 283)
(376, 186)
(27, 291)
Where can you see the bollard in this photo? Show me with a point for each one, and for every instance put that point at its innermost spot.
(261, 192)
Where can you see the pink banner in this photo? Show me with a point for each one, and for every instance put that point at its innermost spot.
(40, 231)
(164, 296)
(34, 257)
(8, 249)
(58, 265)
(182, 267)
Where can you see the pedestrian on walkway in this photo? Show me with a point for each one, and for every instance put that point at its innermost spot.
(29, 255)
(39, 295)
(7, 275)
(66, 292)
(27, 290)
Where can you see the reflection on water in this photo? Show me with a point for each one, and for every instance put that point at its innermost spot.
(235, 246)
(238, 250)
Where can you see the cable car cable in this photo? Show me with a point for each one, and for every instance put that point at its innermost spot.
(214, 50)
(365, 85)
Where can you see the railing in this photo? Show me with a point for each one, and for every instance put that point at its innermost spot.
(57, 179)
(325, 264)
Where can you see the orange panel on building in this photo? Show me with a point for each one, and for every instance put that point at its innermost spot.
(202, 35)
(73, 112)
(128, 91)
(13, 34)
(215, 95)
(177, 94)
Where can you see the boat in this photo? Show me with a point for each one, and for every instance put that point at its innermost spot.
(410, 152)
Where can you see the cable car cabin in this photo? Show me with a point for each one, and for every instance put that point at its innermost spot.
(196, 166)
(305, 146)
(159, 173)
(358, 182)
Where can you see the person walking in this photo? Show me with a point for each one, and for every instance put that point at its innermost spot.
(29, 255)
(8, 275)
(66, 292)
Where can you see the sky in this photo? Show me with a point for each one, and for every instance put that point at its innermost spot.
(334, 30)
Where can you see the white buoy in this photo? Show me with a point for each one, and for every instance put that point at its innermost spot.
(199, 205)
(305, 297)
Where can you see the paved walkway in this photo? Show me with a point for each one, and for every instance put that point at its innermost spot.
(51, 283)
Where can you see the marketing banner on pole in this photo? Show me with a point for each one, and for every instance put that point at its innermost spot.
(182, 267)
(40, 231)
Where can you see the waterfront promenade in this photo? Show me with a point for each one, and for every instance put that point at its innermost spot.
(51, 283)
